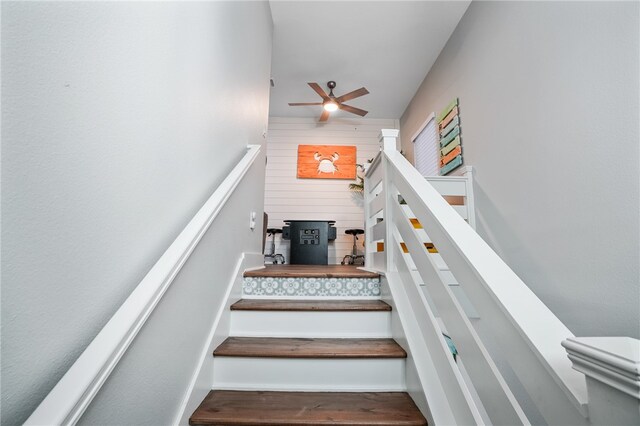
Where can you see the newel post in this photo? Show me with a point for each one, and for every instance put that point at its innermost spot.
(388, 139)
(612, 368)
(388, 145)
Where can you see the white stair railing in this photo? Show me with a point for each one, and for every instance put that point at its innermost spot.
(529, 333)
(71, 396)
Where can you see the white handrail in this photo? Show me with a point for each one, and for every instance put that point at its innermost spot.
(71, 396)
(501, 298)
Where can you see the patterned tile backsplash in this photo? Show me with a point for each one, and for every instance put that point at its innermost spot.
(339, 287)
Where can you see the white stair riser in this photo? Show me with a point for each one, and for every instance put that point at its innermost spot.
(298, 374)
(311, 324)
(308, 297)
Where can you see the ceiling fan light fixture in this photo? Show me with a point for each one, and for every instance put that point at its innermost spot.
(330, 105)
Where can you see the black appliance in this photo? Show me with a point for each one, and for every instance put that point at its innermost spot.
(309, 241)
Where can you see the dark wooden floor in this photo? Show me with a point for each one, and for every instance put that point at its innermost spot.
(307, 408)
(271, 347)
(311, 271)
(310, 305)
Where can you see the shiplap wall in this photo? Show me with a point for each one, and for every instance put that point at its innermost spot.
(287, 197)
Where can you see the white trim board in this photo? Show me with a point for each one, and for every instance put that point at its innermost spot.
(202, 380)
(431, 116)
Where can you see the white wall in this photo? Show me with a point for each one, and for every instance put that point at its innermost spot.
(287, 197)
(549, 114)
(119, 120)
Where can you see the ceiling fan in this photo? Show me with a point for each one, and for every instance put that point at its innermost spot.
(331, 103)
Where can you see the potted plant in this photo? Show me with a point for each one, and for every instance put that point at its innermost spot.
(358, 186)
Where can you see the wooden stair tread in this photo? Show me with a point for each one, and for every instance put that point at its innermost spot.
(307, 408)
(309, 305)
(311, 271)
(271, 347)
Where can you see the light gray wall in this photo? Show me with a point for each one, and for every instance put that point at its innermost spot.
(149, 384)
(549, 114)
(119, 120)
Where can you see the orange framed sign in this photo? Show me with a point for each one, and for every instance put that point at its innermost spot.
(326, 161)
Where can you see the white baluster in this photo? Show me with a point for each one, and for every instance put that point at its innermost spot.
(388, 144)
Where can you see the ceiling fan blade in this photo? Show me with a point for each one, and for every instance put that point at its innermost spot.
(352, 95)
(319, 91)
(304, 103)
(353, 110)
(324, 116)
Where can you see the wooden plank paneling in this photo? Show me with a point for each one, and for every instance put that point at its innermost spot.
(329, 208)
(287, 197)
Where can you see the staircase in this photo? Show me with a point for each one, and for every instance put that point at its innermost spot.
(310, 347)
(302, 353)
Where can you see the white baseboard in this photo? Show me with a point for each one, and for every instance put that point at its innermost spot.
(202, 380)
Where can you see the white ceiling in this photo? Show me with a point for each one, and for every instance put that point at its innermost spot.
(386, 46)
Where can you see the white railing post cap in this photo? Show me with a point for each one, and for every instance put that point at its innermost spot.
(612, 368)
(389, 133)
(388, 139)
(614, 361)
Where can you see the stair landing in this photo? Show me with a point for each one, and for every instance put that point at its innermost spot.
(307, 408)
